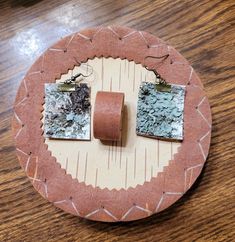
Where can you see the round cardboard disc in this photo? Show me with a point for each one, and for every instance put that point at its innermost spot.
(114, 181)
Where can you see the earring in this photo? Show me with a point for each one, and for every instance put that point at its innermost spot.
(71, 83)
(160, 108)
(67, 109)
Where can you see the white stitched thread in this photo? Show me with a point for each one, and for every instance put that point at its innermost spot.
(58, 202)
(83, 36)
(110, 214)
(94, 212)
(201, 101)
(159, 203)
(204, 118)
(129, 34)
(18, 132)
(203, 154)
(25, 86)
(44, 184)
(190, 75)
(127, 213)
(193, 167)
(27, 164)
(113, 31)
(36, 170)
(173, 193)
(54, 49)
(17, 118)
(46, 189)
(205, 135)
(42, 65)
(144, 209)
(67, 45)
(74, 207)
(156, 46)
(34, 72)
(162, 197)
(185, 175)
(21, 101)
(141, 34)
(21, 151)
(194, 85)
(101, 28)
(34, 179)
(191, 177)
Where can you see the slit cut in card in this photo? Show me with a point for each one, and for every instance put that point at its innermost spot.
(160, 114)
(67, 111)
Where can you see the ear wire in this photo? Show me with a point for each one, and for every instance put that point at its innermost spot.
(162, 85)
(73, 78)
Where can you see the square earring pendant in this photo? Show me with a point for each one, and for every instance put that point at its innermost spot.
(160, 114)
(67, 111)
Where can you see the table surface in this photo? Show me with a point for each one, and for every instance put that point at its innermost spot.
(203, 31)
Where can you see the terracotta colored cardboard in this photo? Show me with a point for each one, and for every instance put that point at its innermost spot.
(107, 121)
(76, 197)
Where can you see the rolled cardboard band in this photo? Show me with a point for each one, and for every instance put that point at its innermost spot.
(107, 119)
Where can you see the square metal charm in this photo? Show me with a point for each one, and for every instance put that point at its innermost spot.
(67, 112)
(160, 114)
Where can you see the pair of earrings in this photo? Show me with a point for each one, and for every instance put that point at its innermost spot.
(160, 108)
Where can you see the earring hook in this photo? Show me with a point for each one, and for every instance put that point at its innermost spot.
(161, 85)
(71, 83)
(163, 57)
(73, 78)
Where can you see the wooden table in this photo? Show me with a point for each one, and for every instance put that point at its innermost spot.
(203, 31)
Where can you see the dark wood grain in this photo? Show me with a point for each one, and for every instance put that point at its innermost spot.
(203, 31)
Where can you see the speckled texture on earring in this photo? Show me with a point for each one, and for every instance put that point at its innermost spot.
(67, 113)
(160, 114)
